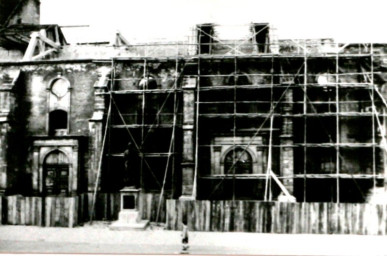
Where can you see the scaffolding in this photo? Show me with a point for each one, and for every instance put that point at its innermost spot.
(307, 115)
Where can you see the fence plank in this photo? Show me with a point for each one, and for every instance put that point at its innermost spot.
(213, 215)
(22, 210)
(180, 209)
(290, 218)
(57, 211)
(71, 213)
(9, 209)
(355, 219)
(253, 216)
(1, 210)
(361, 230)
(314, 209)
(27, 211)
(372, 219)
(39, 211)
(296, 219)
(348, 218)
(323, 218)
(379, 214)
(207, 208)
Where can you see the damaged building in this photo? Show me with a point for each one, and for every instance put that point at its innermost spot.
(240, 134)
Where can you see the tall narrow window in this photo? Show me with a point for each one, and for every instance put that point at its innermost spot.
(205, 33)
(56, 173)
(59, 106)
(261, 36)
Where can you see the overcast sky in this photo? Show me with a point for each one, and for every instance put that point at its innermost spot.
(344, 20)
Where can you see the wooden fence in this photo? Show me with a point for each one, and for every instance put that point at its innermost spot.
(72, 211)
(278, 217)
(41, 211)
(243, 216)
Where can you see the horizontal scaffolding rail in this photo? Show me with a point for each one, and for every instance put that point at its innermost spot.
(309, 176)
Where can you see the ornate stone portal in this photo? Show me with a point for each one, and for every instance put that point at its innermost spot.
(55, 166)
(129, 216)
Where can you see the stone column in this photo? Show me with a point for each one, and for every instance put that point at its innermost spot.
(96, 127)
(286, 140)
(188, 163)
(4, 176)
(7, 105)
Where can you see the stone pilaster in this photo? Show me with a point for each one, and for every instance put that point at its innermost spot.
(96, 127)
(188, 163)
(4, 175)
(7, 105)
(286, 137)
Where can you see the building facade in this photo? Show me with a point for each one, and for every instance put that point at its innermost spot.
(208, 119)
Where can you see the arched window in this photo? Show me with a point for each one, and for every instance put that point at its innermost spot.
(238, 161)
(56, 173)
(57, 122)
(238, 79)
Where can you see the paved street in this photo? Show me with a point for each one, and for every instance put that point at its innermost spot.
(99, 239)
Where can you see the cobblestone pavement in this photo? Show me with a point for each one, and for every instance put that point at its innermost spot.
(100, 239)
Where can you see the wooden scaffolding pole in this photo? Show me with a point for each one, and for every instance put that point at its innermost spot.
(145, 76)
(195, 177)
(269, 159)
(373, 116)
(337, 132)
(234, 124)
(175, 99)
(305, 118)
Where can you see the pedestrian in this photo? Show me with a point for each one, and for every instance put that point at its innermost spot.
(184, 236)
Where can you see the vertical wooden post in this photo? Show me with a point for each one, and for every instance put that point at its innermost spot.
(337, 131)
(305, 119)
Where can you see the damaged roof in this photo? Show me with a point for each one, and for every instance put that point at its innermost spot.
(18, 36)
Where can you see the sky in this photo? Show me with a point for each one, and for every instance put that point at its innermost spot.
(142, 20)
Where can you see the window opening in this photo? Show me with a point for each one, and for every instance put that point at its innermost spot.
(57, 122)
(239, 160)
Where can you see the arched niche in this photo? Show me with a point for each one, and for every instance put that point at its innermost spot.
(59, 101)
